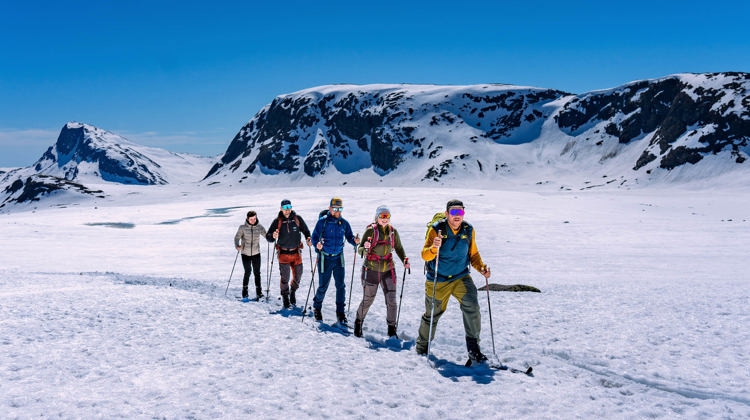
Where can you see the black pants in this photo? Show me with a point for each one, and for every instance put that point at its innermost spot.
(249, 262)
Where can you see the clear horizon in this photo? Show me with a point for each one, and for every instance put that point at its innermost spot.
(186, 76)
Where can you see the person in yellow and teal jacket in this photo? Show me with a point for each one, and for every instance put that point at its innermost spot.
(450, 245)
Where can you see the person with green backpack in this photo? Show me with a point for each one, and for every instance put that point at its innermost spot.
(449, 249)
(378, 243)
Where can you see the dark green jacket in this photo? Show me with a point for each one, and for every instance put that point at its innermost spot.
(379, 258)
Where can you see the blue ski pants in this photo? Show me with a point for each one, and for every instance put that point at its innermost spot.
(331, 265)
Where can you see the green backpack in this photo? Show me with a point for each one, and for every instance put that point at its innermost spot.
(437, 217)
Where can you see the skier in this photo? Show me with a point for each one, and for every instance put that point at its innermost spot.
(285, 230)
(378, 242)
(329, 236)
(247, 240)
(452, 252)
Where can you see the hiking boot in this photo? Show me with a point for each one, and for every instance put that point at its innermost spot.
(317, 314)
(358, 327)
(286, 301)
(422, 351)
(259, 293)
(392, 331)
(292, 298)
(342, 318)
(475, 356)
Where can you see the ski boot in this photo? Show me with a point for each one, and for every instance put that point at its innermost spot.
(358, 327)
(392, 332)
(342, 318)
(475, 356)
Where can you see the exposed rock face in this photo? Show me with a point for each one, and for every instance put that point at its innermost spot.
(36, 187)
(690, 116)
(494, 287)
(380, 126)
(673, 121)
(82, 148)
(84, 154)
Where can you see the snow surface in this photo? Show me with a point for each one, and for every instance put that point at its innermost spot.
(116, 308)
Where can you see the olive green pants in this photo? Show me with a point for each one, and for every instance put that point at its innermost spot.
(465, 292)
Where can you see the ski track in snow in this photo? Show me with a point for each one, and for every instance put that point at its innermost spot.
(643, 314)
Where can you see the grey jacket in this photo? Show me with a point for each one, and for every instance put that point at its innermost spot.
(248, 236)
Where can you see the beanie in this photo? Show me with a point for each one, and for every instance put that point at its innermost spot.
(382, 209)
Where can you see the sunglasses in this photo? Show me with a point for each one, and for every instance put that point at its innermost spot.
(456, 212)
(337, 208)
(286, 207)
(384, 216)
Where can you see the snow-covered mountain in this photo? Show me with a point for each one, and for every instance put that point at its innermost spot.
(87, 153)
(84, 155)
(641, 130)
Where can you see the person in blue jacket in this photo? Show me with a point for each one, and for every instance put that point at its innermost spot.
(329, 237)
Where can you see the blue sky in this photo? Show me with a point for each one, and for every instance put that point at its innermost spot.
(186, 76)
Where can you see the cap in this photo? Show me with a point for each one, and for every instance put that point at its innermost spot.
(286, 202)
(454, 203)
(336, 202)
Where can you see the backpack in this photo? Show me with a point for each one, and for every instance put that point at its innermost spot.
(440, 223)
(323, 215)
(437, 217)
(278, 228)
(375, 242)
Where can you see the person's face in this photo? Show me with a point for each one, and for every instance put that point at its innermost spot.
(455, 215)
(335, 211)
(286, 210)
(382, 221)
(252, 219)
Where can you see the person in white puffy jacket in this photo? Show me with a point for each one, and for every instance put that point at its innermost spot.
(247, 241)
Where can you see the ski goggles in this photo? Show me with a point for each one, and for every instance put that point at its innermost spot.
(286, 207)
(456, 212)
(384, 215)
(337, 209)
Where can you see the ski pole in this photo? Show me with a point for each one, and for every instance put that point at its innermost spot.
(268, 258)
(312, 280)
(270, 270)
(489, 309)
(403, 280)
(351, 283)
(230, 274)
(434, 289)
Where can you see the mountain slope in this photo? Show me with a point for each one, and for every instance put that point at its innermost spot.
(84, 154)
(410, 133)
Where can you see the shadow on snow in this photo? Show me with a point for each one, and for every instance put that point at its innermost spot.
(453, 371)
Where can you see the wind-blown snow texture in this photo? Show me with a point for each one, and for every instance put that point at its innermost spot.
(410, 133)
(119, 310)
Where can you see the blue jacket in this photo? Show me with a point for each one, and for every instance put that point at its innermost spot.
(334, 233)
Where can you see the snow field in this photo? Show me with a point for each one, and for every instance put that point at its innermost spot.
(642, 311)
